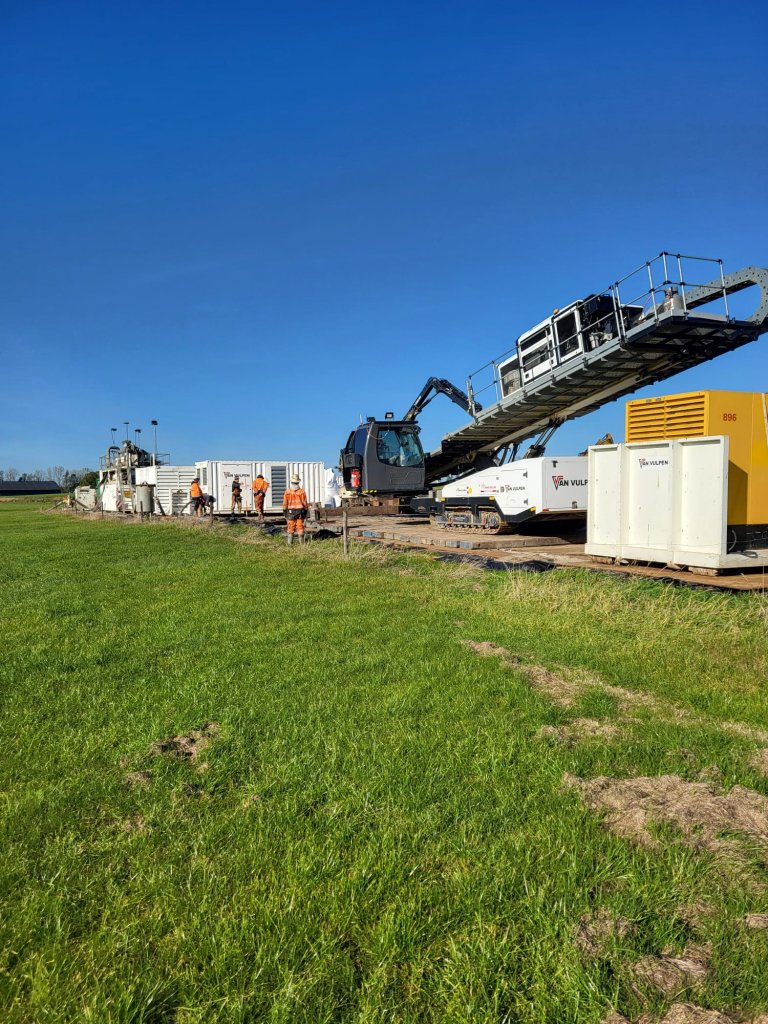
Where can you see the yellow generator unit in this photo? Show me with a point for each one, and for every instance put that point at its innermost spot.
(741, 416)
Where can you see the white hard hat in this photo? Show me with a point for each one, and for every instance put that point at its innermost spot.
(295, 479)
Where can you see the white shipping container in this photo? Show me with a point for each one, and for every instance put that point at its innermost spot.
(663, 501)
(171, 485)
(216, 478)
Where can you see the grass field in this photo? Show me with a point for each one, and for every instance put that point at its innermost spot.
(242, 783)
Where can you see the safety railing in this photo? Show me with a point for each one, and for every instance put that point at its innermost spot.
(656, 289)
(120, 459)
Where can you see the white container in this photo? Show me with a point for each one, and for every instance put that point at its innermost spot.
(171, 483)
(86, 496)
(527, 488)
(663, 501)
(216, 478)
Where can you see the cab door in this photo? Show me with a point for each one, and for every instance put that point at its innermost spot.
(394, 459)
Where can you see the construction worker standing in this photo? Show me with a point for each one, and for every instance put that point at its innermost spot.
(295, 508)
(237, 494)
(196, 496)
(260, 488)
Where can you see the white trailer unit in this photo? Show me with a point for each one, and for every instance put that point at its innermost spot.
(171, 483)
(543, 488)
(664, 501)
(216, 478)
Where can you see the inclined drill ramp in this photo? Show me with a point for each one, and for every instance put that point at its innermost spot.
(659, 332)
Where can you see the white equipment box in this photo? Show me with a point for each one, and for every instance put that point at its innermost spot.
(526, 489)
(171, 485)
(664, 501)
(216, 478)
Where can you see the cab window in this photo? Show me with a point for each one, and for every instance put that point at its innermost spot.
(399, 446)
(361, 439)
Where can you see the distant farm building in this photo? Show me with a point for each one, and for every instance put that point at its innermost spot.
(20, 488)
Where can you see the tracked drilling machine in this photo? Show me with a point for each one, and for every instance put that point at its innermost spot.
(650, 325)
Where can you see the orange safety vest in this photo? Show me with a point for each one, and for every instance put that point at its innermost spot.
(295, 499)
(260, 486)
(195, 490)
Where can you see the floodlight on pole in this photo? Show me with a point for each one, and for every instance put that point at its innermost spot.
(126, 423)
(154, 454)
(136, 437)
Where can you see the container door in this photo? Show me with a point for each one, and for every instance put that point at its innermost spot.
(278, 485)
(227, 473)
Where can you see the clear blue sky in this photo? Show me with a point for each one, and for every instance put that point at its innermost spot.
(255, 222)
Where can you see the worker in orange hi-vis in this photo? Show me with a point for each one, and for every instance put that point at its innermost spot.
(196, 496)
(295, 508)
(260, 488)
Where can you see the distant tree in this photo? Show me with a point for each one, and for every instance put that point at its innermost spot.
(12, 473)
(57, 473)
(90, 478)
(2, 475)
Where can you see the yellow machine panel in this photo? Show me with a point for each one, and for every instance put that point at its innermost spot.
(743, 417)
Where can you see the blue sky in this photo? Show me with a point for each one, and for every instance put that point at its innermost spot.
(256, 222)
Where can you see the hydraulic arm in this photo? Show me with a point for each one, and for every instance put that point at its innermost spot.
(440, 386)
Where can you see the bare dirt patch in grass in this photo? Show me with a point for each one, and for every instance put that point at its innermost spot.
(137, 780)
(579, 729)
(563, 688)
(488, 649)
(687, 1013)
(696, 809)
(756, 921)
(187, 746)
(595, 931)
(748, 732)
(135, 823)
(672, 974)
(694, 914)
(559, 690)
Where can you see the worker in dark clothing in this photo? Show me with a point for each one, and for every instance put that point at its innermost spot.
(237, 495)
(208, 502)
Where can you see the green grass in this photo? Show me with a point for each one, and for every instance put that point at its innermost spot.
(379, 834)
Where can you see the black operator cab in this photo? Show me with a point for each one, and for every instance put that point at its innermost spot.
(383, 457)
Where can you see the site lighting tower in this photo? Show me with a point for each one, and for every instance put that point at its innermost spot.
(126, 422)
(114, 431)
(136, 436)
(154, 453)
